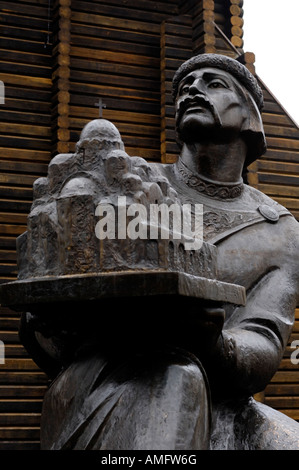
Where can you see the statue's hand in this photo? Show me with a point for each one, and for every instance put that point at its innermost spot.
(209, 325)
(199, 326)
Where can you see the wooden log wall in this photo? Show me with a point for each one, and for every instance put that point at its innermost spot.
(236, 23)
(223, 44)
(60, 77)
(174, 52)
(204, 27)
(222, 18)
(186, 7)
(277, 173)
(115, 55)
(124, 52)
(229, 17)
(181, 37)
(25, 150)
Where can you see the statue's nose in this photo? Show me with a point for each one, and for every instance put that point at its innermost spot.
(196, 88)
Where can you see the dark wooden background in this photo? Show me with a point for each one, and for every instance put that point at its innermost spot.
(57, 58)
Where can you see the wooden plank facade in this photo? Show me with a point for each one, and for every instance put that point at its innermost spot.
(57, 59)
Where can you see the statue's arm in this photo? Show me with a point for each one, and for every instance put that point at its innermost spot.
(249, 349)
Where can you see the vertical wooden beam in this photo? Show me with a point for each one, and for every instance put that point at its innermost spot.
(204, 39)
(248, 59)
(236, 19)
(176, 47)
(60, 76)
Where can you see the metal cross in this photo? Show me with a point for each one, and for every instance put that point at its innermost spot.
(101, 105)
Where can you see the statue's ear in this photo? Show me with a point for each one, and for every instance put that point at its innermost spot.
(253, 131)
(254, 121)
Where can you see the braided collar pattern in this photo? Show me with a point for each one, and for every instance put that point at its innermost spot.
(221, 191)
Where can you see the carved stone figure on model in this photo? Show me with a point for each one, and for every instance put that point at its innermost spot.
(127, 377)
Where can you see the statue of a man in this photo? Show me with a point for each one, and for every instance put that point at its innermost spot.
(198, 394)
(219, 126)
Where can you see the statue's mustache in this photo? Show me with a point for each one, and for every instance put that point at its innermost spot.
(200, 100)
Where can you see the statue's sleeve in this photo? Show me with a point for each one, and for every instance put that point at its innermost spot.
(251, 345)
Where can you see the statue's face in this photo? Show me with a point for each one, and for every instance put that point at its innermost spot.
(208, 100)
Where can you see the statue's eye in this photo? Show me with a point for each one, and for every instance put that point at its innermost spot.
(185, 89)
(217, 84)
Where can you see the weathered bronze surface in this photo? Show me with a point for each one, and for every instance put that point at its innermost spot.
(150, 345)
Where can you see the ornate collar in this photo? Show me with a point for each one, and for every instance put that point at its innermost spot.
(218, 190)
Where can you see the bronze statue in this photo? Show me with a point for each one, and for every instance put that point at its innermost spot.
(150, 346)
